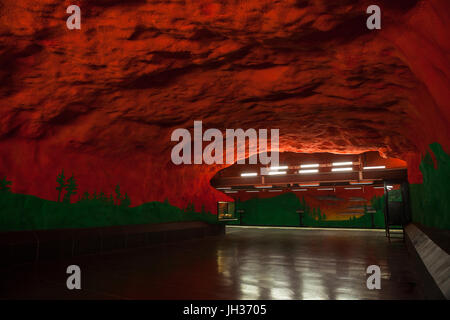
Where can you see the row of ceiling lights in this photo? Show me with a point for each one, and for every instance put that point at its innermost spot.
(300, 190)
(338, 167)
(229, 189)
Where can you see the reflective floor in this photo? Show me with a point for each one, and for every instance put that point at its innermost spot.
(247, 263)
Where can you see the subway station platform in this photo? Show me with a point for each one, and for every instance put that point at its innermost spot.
(246, 263)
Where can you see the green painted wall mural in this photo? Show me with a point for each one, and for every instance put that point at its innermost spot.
(331, 210)
(430, 201)
(430, 205)
(26, 212)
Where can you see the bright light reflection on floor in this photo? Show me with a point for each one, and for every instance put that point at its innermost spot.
(315, 270)
(249, 291)
(281, 294)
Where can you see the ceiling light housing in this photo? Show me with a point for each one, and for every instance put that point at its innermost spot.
(249, 174)
(341, 169)
(360, 182)
(339, 164)
(374, 167)
(308, 171)
(279, 168)
(313, 165)
(273, 173)
(310, 185)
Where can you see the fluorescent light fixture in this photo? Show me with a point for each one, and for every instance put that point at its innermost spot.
(223, 188)
(341, 169)
(263, 187)
(274, 190)
(272, 173)
(308, 171)
(252, 191)
(279, 168)
(314, 165)
(387, 187)
(354, 188)
(299, 189)
(325, 189)
(310, 185)
(249, 174)
(361, 182)
(374, 167)
(338, 164)
(231, 191)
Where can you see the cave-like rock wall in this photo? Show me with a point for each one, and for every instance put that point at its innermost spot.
(101, 102)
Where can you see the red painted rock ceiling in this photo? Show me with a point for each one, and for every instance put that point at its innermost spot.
(102, 101)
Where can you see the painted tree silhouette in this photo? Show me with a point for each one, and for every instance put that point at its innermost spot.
(61, 180)
(126, 202)
(71, 189)
(118, 195)
(319, 214)
(190, 208)
(85, 197)
(102, 197)
(5, 185)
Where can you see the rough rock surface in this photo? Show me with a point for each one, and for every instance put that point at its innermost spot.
(102, 102)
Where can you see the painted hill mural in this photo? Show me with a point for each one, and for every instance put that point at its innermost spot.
(314, 209)
(86, 210)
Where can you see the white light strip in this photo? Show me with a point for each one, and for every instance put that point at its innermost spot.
(263, 187)
(275, 190)
(272, 173)
(224, 188)
(252, 191)
(249, 174)
(325, 189)
(231, 192)
(374, 167)
(278, 168)
(361, 182)
(354, 188)
(338, 164)
(299, 189)
(388, 187)
(342, 169)
(315, 165)
(309, 185)
(308, 171)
